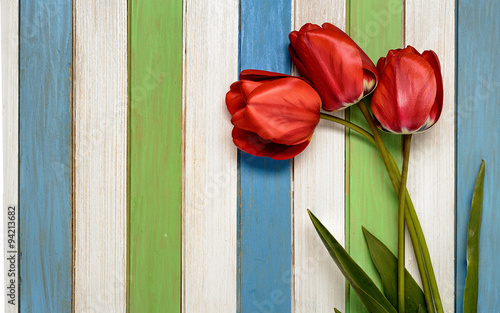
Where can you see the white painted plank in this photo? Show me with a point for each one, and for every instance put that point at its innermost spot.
(431, 177)
(210, 184)
(318, 185)
(10, 116)
(100, 155)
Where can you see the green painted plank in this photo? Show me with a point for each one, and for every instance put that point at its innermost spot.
(377, 27)
(155, 155)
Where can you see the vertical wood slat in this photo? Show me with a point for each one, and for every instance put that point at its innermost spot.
(45, 155)
(265, 234)
(431, 177)
(155, 156)
(100, 155)
(377, 27)
(478, 108)
(10, 108)
(210, 158)
(319, 178)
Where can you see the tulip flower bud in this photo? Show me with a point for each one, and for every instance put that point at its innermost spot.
(274, 115)
(409, 97)
(337, 67)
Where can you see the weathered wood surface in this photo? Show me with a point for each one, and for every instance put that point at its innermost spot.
(431, 177)
(100, 155)
(265, 212)
(478, 108)
(45, 155)
(10, 128)
(209, 246)
(371, 202)
(155, 159)
(319, 185)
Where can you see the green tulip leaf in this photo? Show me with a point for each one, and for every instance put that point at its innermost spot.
(365, 288)
(386, 264)
(337, 311)
(476, 212)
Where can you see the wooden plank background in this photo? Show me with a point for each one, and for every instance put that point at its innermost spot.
(431, 177)
(318, 185)
(100, 155)
(478, 108)
(45, 155)
(10, 124)
(377, 27)
(264, 216)
(210, 159)
(167, 213)
(155, 143)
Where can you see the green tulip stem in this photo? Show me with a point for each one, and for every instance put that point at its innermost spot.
(350, 125)
(420, 264)
(401, 224)
(410, 213)
(417, 238)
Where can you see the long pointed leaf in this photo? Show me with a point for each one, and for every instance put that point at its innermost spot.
(386, 264)
(337, 311)
(476, 212)
(364, 287)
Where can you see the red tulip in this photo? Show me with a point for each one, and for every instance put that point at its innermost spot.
(409, 97)
(337, 67)
(274, 115)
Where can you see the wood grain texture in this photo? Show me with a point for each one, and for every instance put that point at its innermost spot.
(210, 158)
(431, 176)
(155, 156)
(377, 27)
(319, 179)
(478, 108)
(265, 230)
(10, 124)
(45, 155)
(100, 155)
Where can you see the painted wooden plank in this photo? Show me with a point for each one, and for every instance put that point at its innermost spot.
(431, 177)
(478, 108)
(45, 155)
(155, 156)
(265, 230)
(318, 284)
(377, 27)
(210, 158)
(100, 155)
(10, 127)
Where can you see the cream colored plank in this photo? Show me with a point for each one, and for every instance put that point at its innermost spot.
(431, 180)
(100, 155)
(10, 116)
(319, 185)
(210, 184)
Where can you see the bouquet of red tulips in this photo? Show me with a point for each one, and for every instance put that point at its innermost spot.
(275, 115)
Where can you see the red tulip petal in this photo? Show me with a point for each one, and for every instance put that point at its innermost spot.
(234, 100)
(437, 108)
(337, 66)
(258, 75)
(254, 144)
(405, 94)
(239, 119)
(300, 67)
(308, 27)
(293, 37)
(381, 64)
(285, 111)
(247, 87)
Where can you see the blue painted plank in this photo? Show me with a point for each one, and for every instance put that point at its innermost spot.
(478, 111)
(265, 202)
(45, 155)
